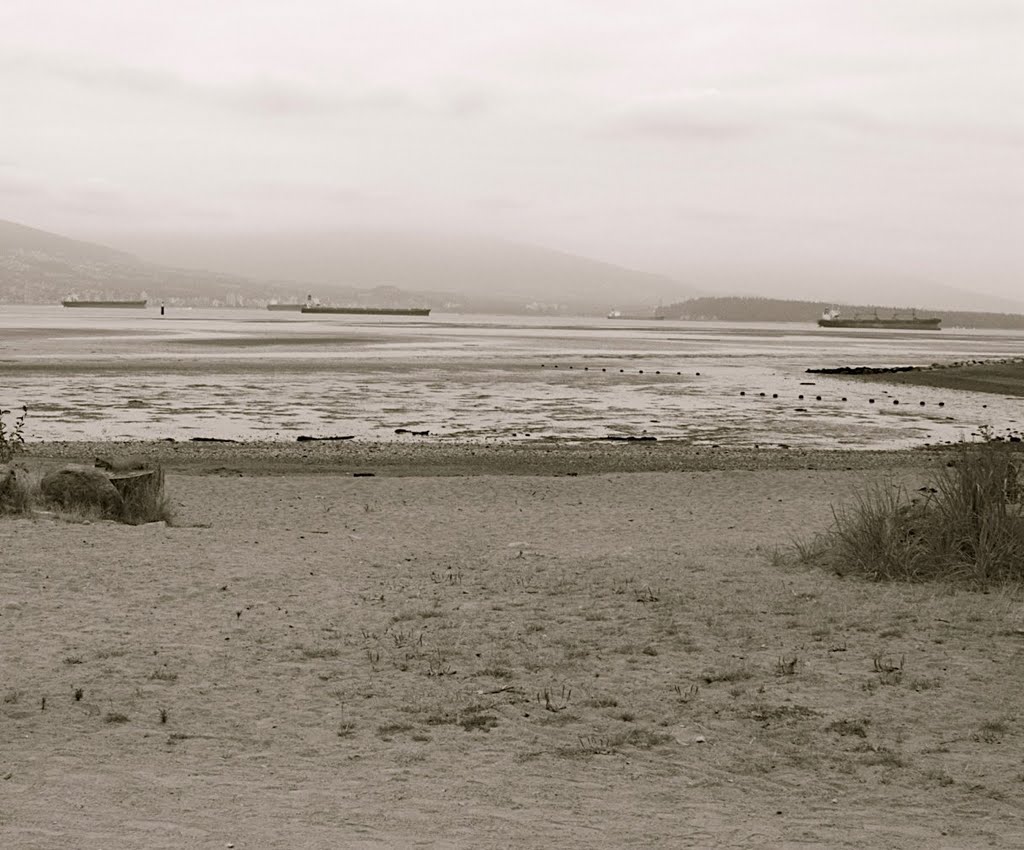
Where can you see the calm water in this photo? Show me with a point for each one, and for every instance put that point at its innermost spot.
(248, 374)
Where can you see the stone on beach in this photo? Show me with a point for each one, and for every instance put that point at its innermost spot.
(81, 486)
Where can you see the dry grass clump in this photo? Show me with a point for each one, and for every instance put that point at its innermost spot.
(146, 504)
(967, 526)
(16, 492)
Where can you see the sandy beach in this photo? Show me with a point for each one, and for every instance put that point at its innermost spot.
(359, 645)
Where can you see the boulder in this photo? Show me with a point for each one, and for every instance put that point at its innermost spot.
(81, 487)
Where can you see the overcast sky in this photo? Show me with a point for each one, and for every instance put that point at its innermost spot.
(774, 136)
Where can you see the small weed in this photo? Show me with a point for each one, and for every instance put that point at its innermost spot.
(163, 715)
(555, 702)
(786, 666)
(889, 671)
(602, 702)
(990, 732)
(346, 729)
(79, 693)
(688, 694)
(483, 722)
(642, 739)
(311, 652)
(115, 717)
(939, 777)
(627, 717)
(437, 665)
(389, 729)
(857, 728)
(732, 673)
(73, 659)
(12, 697)
(497, 673)
(881, 757)
(649, 650)
(163, 676)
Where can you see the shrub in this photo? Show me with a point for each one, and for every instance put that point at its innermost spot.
(968, 526)
(12, 438)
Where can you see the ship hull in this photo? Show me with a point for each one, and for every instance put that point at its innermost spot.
(885, 324)
(370, 311)
(71, 302)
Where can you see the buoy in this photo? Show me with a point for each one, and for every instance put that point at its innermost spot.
(844, 398)
(743, 392)
(817, 398)
(603, 369)
(800, 397)
(775, 395)
(895, 401)
(761, 394)
(641, 371)
(942, 404)
(921, 403)
(871, 401)
(698, 374)
(658, 372)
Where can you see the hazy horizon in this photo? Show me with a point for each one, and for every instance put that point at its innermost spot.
(767, 148)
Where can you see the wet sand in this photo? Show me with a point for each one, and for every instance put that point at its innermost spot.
(1000, 377)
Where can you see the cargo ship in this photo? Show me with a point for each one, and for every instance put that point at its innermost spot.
(631, 317)
(831, 319)
(367, 311)
(82, 302)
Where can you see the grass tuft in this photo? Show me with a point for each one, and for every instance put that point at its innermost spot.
(968, 526)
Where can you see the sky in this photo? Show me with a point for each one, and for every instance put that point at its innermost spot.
(713, 140)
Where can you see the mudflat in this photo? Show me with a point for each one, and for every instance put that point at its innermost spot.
(587, 645)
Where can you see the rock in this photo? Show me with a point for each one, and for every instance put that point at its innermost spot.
(81, 487)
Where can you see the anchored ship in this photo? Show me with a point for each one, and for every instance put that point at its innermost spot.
(618, 314)
(831, 319)
(314, 306)
(368, 311)
(74, 301)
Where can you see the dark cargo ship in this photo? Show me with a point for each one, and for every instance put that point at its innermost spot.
(831, 319)
(82, 302)
(368, 311)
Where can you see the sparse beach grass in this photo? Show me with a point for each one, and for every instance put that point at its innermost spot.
(500, 653)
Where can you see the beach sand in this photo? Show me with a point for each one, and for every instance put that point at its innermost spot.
(587, 645)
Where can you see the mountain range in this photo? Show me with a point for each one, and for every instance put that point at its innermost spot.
(467, 274)
(455, 273)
